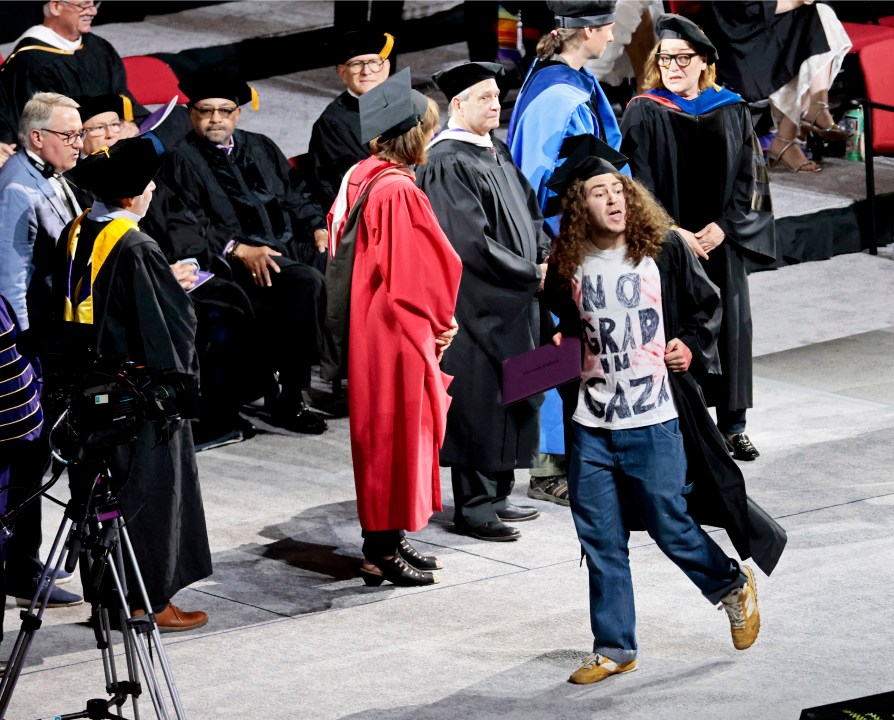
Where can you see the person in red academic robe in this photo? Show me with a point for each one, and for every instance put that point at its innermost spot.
(403, 293)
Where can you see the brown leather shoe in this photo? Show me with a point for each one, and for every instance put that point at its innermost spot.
(173, 619)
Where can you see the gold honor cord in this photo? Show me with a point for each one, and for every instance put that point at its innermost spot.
(82, 310)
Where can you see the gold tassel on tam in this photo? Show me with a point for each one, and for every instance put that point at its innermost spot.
(254, 100)
(389, 46)
(127, 106)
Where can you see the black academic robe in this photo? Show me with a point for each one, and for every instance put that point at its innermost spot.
(691, 312)
(759, 51)
(334, 147)
(700, 169)
(94, 69)
(245, 195)
(145, 317)
(490, 214)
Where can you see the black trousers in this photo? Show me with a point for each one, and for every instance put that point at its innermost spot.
(479, 495)
(290, 317)
(379, 544)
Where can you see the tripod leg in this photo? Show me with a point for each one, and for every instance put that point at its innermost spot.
(31, 621)
(156, 636)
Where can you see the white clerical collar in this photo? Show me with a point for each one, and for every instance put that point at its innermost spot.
(100, 212)
(352, 94)
(50, 37)
(455, 132)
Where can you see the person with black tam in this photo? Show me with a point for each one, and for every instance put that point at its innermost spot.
(692, 144)
(489, 213)
(107, 285)
(646, 314)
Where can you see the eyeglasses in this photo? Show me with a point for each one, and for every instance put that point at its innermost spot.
(207, 112)
(69, 138)
(83, 6)
(355, 67)
(682, 60)
(100, 130)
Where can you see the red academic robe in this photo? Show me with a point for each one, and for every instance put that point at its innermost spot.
(403, 293)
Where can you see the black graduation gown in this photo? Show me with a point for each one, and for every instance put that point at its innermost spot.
(95, 69)
(490, 214)
(700, 169)
(334, 147)
(146, 317)
(246, 194)
(759, 51)
(691, 312)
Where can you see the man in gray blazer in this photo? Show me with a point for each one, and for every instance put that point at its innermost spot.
(35, 200)
(36, 203)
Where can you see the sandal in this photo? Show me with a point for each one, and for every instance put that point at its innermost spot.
(553, 489)
(417, 559)
(829, 133)
(396, 571)
(777, 159)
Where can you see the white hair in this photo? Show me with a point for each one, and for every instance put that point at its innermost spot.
(38, 111)
(463, 97)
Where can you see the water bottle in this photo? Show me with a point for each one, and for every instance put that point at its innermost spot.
(852, 124)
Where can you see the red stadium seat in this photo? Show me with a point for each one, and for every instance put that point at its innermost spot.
(878, 113)
(887, 21)
(687, 8)
(862, 35)
(151, 80)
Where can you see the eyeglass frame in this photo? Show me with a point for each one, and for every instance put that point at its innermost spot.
(355, 67)
(205, 112)
(675, 58)
(84, 5)
(97, 130)
(69, 138)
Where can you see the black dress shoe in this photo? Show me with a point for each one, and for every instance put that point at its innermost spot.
(304, 420)
(416, 559)
(517, 513)
(495, 531)
(741, 448)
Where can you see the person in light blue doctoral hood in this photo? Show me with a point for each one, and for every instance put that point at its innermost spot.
(560, 98)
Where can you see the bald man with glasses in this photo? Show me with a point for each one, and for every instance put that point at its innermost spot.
(60, 55)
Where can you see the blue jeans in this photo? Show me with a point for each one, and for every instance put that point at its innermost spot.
(648, 464)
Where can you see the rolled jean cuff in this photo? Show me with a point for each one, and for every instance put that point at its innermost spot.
(618, 655)
(718, 595)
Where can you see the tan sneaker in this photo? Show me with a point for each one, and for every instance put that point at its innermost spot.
(597, 667)
(744, 617)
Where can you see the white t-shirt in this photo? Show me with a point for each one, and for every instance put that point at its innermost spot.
(624, 380)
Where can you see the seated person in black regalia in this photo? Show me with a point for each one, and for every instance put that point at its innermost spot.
(222, 309)
(236, 212)
(61, 55)
(105, 274)
(335, 139)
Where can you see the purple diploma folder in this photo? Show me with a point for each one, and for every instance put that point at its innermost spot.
(540, 370)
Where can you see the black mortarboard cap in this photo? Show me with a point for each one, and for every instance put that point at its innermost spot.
(579, 14)
(121, 171)
(453, 81)
(390, 109)
(677, 27)
(92, 105)
(362, 42)
(586, 156)
(220, 84)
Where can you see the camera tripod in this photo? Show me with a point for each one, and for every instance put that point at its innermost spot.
(94, 532)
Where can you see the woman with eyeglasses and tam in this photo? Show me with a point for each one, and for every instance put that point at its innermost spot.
(692, 144)
(403, 290)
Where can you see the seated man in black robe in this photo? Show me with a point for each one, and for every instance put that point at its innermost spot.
(61, 55)
(491, 217)
(109, 283)
(335, 139)
(235, 211)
